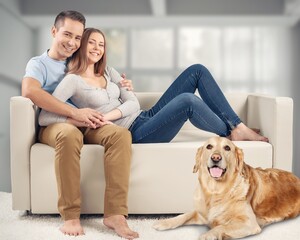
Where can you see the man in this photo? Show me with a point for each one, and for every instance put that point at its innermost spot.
(43, 73)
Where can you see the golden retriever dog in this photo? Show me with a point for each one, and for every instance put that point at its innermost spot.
(234, 199)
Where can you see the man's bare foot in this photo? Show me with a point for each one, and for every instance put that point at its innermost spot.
(72, 228)
(243, 133)
(119, 224)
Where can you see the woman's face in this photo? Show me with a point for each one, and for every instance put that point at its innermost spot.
(95, 47)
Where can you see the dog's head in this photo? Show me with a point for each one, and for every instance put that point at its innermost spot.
(218, 159)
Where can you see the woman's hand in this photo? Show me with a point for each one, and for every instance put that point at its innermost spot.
(95, 125)
(87, 116)
(103, 123)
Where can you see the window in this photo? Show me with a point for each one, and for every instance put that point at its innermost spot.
(200, 45)
(152, 48)
(238, 54)
(240, 58)
(116, 40)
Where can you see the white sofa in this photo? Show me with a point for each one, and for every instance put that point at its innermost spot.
(161, 174)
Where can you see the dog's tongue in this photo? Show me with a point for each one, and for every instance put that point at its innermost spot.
(216, 172)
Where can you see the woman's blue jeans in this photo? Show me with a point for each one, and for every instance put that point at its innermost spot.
(178, 104)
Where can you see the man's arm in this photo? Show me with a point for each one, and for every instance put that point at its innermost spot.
(31, 88)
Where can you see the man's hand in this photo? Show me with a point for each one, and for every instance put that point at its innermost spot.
(126, 83)
(87, 117)
(85, 124)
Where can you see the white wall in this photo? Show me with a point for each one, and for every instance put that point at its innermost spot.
(11, 5)
(8, 88)
(16, 44)
(295, 60)
(44, 39)
(16, 49)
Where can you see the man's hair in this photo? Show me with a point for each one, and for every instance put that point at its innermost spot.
(74, 15)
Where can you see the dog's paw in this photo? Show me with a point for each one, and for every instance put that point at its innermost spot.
(210, 236)
(162, 224)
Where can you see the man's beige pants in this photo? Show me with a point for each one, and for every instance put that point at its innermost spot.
(68, 141)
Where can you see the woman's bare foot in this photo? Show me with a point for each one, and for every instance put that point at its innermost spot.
(256, 130)
(72, 228)
(119, 224)
(243, 133)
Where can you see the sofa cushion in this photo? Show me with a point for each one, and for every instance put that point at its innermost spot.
(152, 165)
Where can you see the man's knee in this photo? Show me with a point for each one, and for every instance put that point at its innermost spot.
(121, 134)
(69, 133)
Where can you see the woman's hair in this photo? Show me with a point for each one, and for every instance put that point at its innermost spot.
(79, 61)
(74, 15)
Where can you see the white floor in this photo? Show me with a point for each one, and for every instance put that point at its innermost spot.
(14, 225)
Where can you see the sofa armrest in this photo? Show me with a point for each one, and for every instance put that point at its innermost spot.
(23, 127)
(274, 117)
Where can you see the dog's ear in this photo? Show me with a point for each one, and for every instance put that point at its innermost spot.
(198, 157)
(239, 158)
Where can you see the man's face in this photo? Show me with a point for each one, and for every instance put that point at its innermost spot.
(66, 38)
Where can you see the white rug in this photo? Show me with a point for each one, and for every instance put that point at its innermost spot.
(15, 225)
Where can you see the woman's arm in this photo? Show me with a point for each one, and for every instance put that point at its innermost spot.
(130, 103)
(112, 115)
(65, 90)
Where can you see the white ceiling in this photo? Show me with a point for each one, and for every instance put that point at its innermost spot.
(140, 12)
(156, 7)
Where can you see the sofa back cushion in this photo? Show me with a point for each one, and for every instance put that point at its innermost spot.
(238, 102)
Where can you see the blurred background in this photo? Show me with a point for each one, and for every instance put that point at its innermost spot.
(248, 45)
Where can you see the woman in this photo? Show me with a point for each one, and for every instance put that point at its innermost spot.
(90, 83)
